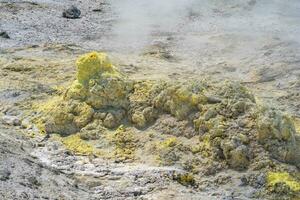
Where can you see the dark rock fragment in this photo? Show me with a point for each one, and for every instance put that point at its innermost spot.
(4, 174)
(213, 100)
(4, 34)
(72, 13)
(97, 10)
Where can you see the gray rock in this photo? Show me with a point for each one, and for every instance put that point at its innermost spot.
(26, 123)
(4, 34)
(72, 13)
(213, 100)
(4, 174)
(11, 120)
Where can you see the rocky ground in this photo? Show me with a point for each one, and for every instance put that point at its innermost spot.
(253, 42)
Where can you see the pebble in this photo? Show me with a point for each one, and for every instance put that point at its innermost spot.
(25, 124)
(213, 100)
(244, 181)
(4, 174)
(4, 34)
(72, 13)
(11, 120)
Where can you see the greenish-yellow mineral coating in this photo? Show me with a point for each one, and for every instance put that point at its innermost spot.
(169, 151)
(124, 143)
(278, 134)
(68, 117)
(99, 83)
(218, 122)
(76, 145)
(94, 65)
(185, 179)
(284, 184)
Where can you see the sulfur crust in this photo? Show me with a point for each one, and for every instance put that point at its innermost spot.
(285, 178)
(92, 65)
(124, 142)
(103, 95)
(75, 144)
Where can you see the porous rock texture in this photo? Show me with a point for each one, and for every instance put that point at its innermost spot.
(188, 124)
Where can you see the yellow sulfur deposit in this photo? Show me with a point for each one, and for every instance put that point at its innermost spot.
(91, 65)
(176, 100)
(124, 142)
(224, 116)
(75, 144)
(185, 179)
(68, 117)
(171, 142)
(297, 125)
(274, 127)
(99, 83)
(275, 178)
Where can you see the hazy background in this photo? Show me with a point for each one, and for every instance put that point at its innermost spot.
(139, 21)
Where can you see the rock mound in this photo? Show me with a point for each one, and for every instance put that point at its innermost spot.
(187, 124)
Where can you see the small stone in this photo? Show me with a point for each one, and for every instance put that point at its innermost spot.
(33, 181)
(41, 144)
(4, 34)
(97, 10)
(137, 193)
(72, 13)
(25, 124)
(244, 181)
(11, 120)
(260, 180)
(213, 100)
(4, 174)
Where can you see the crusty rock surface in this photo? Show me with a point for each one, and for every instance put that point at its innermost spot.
(226, 130)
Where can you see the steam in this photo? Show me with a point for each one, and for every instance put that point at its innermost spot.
(139, 18)
(217, 25)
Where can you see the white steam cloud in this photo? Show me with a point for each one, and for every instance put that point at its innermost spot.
(139, 18)
(139, 22)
